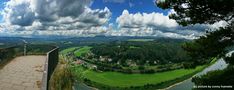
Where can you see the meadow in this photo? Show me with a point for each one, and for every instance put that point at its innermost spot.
(119, 80)
(69, 50)
(116, 79)
(82, 50)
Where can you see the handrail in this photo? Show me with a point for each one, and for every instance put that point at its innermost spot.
(7, 53)
(50, 65)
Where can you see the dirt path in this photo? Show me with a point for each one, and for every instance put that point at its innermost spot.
(22, 73)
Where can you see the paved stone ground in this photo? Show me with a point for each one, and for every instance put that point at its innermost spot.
(22, 73)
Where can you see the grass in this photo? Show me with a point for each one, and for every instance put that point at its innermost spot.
(116, 79)
(63, 77)
(82, 50)
(68, 50)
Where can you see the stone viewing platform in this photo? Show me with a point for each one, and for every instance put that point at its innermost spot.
(23, 73)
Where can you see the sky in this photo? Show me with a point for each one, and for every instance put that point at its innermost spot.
(1, 8)
(92, 17)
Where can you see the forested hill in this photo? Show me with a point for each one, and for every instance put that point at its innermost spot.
(161, 51)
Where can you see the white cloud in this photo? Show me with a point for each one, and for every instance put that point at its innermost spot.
(93, 22)
(172, 11)
(157, 24)
(157, 20)
(152, 24)
(218, 24)
(75, 18)
(53, 15)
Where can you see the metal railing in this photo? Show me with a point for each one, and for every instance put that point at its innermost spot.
(8, 53)
(50, 65)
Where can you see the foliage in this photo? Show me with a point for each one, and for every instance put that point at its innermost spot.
(38, 49)
(128, 56)
(211, 45)
(214, 42)
(141, 40)
(152, 53)
(202, 11)
(218, 77)
(62, 78)
(189, 12)
(230, 59)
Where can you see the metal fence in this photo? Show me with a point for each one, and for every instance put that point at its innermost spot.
(50, 65)
(6, 54)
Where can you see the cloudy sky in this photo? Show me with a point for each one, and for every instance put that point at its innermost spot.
(92, 17)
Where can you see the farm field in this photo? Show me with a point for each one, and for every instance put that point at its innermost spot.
(82, 51)
(117, 79)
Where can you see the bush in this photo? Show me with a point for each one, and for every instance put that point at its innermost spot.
(62, 78)
(188, 65)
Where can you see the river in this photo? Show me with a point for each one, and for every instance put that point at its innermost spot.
(188, 84)
(82, 86)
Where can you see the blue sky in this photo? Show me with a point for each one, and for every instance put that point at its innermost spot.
(90, 18)
(133, 6)
(141, 6)
(1, 7)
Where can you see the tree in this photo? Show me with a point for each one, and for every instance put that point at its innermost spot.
(210, 45)
(189, 12)
(230, 59)
(199, 11)
(217, 77)
(213, 43)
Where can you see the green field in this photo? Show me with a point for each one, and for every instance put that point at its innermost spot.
(82, 50)
(68, 50)
(116, 79)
